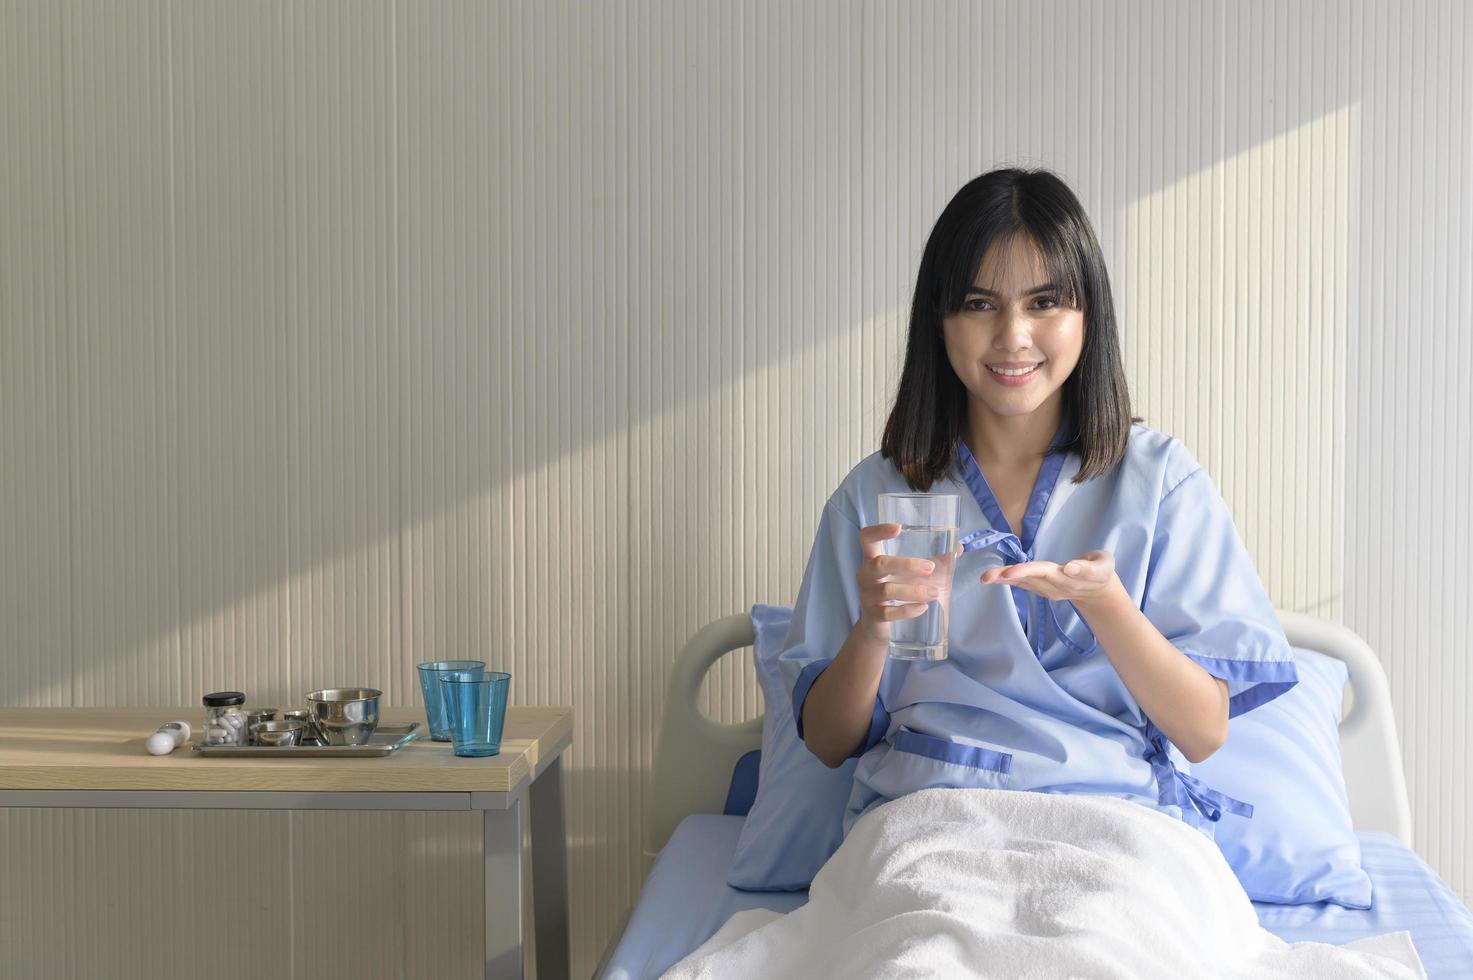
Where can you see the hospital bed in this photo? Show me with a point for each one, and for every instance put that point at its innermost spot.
(706, 773)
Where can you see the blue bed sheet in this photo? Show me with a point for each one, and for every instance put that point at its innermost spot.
(686, 899)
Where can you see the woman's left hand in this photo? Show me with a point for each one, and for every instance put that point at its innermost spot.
(1091, 576)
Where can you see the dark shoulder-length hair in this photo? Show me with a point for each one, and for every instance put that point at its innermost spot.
(930, 412)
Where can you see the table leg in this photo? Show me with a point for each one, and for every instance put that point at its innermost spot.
(550, 874)
(503, 886)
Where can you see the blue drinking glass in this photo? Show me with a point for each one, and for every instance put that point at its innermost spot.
(475, 701)
(429, 682)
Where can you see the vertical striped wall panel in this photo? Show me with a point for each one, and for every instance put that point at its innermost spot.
(1409, 407)
(338, 336)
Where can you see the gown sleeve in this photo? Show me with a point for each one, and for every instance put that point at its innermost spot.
(826, 610)
(1204, 595)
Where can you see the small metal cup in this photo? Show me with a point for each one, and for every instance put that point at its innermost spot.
(254, 716)
(277, 732)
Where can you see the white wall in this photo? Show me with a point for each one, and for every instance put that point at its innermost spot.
(337, 336)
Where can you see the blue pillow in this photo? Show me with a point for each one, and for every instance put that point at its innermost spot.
(797, 820)
(1284, 758)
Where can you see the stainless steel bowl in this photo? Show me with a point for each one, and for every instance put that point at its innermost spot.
(277, 732)
(309, 736)
(344, 715)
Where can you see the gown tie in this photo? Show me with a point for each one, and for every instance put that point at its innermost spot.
(1007, 546)
(1186, 788)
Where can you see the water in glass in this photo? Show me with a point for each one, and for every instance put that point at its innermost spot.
(924, 638)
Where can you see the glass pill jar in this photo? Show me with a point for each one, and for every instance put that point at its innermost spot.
(225, 719)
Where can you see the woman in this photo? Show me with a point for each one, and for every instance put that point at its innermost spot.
(1106, 620)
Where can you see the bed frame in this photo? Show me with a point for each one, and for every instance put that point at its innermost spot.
(695, 757)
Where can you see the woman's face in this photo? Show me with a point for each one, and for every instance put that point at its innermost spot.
(1006, 324)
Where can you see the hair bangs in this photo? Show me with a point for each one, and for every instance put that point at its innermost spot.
(1062, 261)
(960, 264)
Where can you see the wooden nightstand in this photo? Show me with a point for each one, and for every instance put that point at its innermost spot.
(95, 757)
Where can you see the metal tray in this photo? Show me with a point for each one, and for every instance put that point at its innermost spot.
(385, 739)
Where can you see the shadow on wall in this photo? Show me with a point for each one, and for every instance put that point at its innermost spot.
(369, 344)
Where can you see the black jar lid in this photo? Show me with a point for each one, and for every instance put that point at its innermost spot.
(223, 699)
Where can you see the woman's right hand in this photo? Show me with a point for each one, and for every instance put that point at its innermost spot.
(890, 587)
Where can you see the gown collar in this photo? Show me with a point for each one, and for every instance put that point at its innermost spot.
(1008, 546)
(1043, 488)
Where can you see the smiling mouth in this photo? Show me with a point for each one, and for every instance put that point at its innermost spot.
(1013, 372)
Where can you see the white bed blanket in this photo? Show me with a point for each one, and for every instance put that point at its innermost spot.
(999, 883)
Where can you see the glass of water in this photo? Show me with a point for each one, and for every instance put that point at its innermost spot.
(928, 529)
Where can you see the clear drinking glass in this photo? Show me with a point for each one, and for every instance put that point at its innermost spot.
(928, 529)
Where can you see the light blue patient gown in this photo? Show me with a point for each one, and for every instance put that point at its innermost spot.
(1027, 699)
